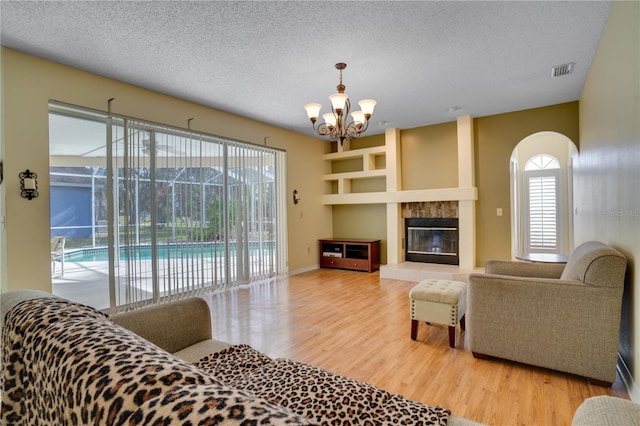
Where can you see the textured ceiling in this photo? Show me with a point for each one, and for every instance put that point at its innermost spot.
(266, 59)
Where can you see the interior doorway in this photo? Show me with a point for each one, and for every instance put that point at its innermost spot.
(541, 171)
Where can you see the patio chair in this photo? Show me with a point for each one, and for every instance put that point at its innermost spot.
(57, 253)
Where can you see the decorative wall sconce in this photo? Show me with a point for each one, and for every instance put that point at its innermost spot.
(28, 184)
(296, 197)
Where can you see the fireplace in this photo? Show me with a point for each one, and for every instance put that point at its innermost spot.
(432, 240)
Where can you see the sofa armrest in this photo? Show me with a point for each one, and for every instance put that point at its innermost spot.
(606, 411)
(12, 298)
(171, 326)
(524, 269)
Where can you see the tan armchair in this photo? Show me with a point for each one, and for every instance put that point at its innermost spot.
(565, 318)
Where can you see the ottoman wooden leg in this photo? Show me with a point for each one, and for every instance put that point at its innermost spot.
(462, 323)
(452, 337)
(414, 329)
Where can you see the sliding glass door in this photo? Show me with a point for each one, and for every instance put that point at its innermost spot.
(177, 212)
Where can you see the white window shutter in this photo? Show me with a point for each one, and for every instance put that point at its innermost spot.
(543, 213)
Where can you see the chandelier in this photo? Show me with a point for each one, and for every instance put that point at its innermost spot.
(336, 123)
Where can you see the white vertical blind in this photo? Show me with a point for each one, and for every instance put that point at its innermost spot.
(281, 261)
(192, 213)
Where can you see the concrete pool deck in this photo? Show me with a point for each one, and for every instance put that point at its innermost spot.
(88, 282)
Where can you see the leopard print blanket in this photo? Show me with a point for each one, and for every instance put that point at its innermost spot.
(317, 394)
(68, 364)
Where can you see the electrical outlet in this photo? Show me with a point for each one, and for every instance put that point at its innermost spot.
(499, 211)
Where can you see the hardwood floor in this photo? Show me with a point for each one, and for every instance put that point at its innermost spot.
(356, 324)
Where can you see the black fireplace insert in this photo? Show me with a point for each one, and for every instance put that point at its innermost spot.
(432, 240)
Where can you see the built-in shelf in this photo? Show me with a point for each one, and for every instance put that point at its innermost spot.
(356, 175)
(370, 166)
(356, 153)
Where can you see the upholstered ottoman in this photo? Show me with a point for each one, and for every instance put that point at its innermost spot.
(439, 302)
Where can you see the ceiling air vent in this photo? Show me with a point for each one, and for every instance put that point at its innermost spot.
(560, 70)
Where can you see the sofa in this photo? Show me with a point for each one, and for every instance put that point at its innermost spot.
(561, 317)
(66, 363)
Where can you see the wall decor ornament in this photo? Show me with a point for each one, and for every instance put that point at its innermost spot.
(28, 184)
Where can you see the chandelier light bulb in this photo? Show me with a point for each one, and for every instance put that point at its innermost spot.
(313, 111)
(358, 117)
(367, 106)
(338, 100)
(329, 119)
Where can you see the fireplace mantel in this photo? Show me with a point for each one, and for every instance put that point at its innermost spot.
(416, 195)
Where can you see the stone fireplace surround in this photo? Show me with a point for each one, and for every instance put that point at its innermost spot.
(457, 202)
(428, 210)
(439, 209)
(417, 271)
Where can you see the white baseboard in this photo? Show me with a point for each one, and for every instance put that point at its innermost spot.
(632, 387)
(305, 269)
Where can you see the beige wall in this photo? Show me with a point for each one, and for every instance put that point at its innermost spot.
(28, 83)
(607, 173)
(430, 157)
(364, 221)
(496, 136)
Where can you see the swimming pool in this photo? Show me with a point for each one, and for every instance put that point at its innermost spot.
(165, 251)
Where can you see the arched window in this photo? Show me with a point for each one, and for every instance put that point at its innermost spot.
(542, 162)
(542, 176)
